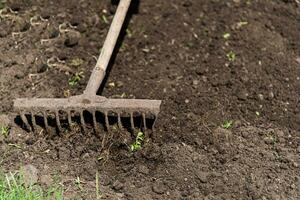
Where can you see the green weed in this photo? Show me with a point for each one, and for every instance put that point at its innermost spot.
(12, 187)
(137, 145)
(104, 19)
(74, 80)
(227, 124)
(231, 56)
(5, 130)
(226, 36)
(78, 183)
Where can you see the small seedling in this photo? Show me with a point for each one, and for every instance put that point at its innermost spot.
(227, 124)
(5, 130)
(257, 113)
(105, 20)
(74, 80)
(231, 56)
(240, 24)
(129, 33)
(137, 145)
(226, 36)
(78, 183)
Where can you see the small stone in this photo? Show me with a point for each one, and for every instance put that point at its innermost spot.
(200, 71)
(3, 32)
(261, 97)
(30, 58)
(159, 187)
(143, 169)
(202, 176)
(297, 60)
(195, 82)
(117, 185)
(72, 39)
(4, 120)
(46, 180)
(119, 84)
(105, 180)
(186, 101)
(271, 95)
(30, 174)
(269, 140)
(21, 26)
(242, 95)
(41, 67)
(19, 74)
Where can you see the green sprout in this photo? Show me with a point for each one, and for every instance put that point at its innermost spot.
(129, 32)
(227, 124)
(242, 23)
(231, 56)
(105, 20)
(78, 183)
(137, 145)
(226, 36)
(74, 80)
(5, 130)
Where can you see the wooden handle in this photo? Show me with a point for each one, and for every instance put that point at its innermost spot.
(98, 73)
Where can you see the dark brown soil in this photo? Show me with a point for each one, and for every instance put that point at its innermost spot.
(174, 51)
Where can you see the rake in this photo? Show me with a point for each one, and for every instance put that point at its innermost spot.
(89, 101)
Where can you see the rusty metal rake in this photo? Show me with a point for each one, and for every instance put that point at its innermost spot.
(89, 101)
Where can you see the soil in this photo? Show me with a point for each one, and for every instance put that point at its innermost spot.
(174, 51)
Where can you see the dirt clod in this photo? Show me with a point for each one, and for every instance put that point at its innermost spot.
(159, 187)
(30, 174)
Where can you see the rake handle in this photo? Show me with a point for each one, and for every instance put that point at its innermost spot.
(99, 70)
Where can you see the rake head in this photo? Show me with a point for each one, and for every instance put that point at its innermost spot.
(77, 105)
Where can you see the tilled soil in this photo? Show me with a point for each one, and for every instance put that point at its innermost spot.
(209, 61)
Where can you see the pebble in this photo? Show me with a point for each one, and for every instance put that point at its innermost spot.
(195, 82)
(297, 60)
(261, 97)
(3, 32)
(30, 174)
(46, 180)
(72, 39)
(242, 95)
(119, 84)
(269, 140)
(159, 187)
(117, 185)
(143, 169)
(202, 176)
(186, 101)
(271, 95)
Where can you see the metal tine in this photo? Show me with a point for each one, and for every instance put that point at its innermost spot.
(144, 122)
(46, 122)
(95, 121)
(69, 119)
(82, 121)
(119, 121)
(58, 124)
(153, 125)
(131, 121)
(25, 121)
(34, 126)
(106, 121)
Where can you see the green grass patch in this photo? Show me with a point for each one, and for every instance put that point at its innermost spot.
(12, 187)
